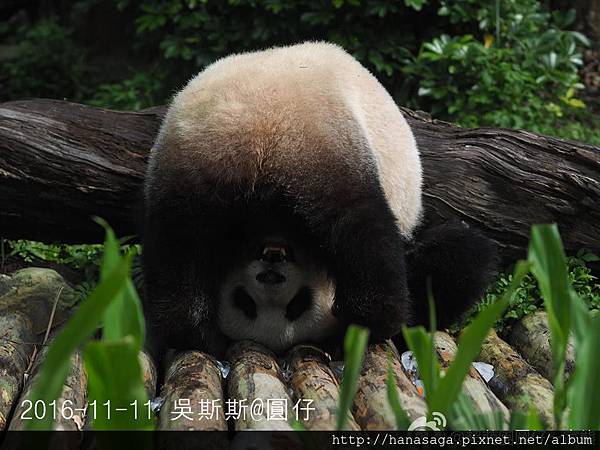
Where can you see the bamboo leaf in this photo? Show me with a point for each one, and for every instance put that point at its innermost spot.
(355, 343)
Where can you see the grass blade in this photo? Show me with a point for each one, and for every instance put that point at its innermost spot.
(80, 327)
(421, 344)
(124, 315)
(584, 389)
(549, 266)
(124, 387)
(469, 346)
(402, 420)
(355, 343)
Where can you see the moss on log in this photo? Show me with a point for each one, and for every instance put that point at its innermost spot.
(33, 291)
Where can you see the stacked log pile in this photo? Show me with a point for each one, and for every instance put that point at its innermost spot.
(301, 386)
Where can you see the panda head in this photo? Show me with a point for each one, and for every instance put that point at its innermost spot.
(277, 292)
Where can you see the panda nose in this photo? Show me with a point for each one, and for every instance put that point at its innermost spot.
(270, 277)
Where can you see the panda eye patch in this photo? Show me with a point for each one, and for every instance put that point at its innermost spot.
(299, 304)
(245, 303)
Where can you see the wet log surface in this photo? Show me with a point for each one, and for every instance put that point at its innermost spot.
(61, 163)
(69, 409)
(482, 399)
(531, 337)
(149, 373)
(371, 408)
(311, 378)
(256, 379)
(16, 349)
(515, 381)
(193, 394)
(34, 292)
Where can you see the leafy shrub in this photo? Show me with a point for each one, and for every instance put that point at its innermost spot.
(142, 90)
(528, 297)
(516, 68)
(48, 64)
(509, 63)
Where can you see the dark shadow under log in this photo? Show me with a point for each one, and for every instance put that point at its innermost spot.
(61, 163)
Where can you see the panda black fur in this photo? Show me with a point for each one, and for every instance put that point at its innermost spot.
(281, 199)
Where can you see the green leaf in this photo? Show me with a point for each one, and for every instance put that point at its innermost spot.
(402, 420)
(80, 327)
(355, 343)
(415, 4)
(114, 375)
(533, 422)
(421, 344)
(549, 266)
(124, 316)
(469, 346)
(584, 390)
(463, 417)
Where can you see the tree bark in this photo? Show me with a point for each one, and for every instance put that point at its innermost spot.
(61, 163)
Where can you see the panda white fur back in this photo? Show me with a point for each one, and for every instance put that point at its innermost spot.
(281, 195)
(251, 113)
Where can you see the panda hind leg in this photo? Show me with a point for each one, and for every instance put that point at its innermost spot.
(461, 262)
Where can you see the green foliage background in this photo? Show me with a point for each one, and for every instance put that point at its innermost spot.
(508, 63)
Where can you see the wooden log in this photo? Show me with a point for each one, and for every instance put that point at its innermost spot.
(16, 349)
(482, 399)
(5, 284)
(61, 162)
(256, 380)
(193, 394)
(531, 337)
(34, 291)
(371, 407)
(149, 373)
(312, 379)
(68, 411)
(515, 382)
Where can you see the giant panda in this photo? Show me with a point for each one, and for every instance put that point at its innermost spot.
(281, 202)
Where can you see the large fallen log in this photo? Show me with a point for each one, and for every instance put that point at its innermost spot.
(61, 163)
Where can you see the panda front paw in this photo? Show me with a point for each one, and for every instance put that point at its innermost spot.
(383, 321)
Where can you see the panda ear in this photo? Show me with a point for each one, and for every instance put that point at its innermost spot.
(461, 262)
